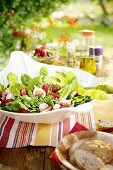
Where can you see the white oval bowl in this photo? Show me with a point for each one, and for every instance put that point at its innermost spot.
(20, 63)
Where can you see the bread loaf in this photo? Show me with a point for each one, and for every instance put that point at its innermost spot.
(86, 160)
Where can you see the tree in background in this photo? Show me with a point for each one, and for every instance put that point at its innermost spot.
(16, 15)
(102, 4)
(105, 5)
(107, 8)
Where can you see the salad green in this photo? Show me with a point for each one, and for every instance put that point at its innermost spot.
(107, 88)
(45, 92)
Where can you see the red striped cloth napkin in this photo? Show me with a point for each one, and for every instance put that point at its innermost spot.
(15, 134)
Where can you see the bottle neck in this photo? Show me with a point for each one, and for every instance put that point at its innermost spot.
(87, 41)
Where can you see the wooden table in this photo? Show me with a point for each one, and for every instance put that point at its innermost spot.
(38, 158)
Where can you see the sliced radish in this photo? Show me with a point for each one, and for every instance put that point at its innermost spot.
(48, 109)
(43, 106)
(10, 96)
(38, 91)
(23, 92)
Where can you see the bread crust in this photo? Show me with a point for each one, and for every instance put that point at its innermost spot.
(107, 167)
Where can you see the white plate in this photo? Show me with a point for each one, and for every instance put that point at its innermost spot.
(20, 63)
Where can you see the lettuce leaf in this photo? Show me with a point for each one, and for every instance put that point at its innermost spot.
(43, 71)
(108, 89)
(69, 87)
(37, 81)
(15, 106)
(25, 78)
(12, 79)
(65, 92)
(97, 94)
(63, 77)
(2, 88)
(15, 89)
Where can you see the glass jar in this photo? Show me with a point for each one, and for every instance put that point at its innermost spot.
(97, 53)
(87, 62)
(70, 50)
(78, 47)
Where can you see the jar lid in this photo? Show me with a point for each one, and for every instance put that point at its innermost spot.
(96, 50)
(86, 32)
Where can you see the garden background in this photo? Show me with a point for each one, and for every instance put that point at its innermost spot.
(25, 24)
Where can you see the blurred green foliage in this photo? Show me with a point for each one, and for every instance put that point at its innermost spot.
(16, 15)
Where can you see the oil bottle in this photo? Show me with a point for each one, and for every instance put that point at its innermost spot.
(87, 62)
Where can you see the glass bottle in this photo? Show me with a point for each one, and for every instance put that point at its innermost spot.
(87, 62)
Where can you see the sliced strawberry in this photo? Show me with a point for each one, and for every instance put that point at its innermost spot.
(46, 87)
(48, 109)
(54, 95)
(6, 101)
(56, 88)
(23, 92)
(23, 111)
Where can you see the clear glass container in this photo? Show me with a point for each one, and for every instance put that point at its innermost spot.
(71, 57)
(87, 62)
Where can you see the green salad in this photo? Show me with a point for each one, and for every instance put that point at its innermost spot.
(45, 93)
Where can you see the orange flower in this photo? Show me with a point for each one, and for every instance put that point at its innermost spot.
(72, 21)
(20, 34)
(63, 37)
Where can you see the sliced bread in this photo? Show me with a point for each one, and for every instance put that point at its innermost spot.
(86, 160)
(100, 149)
(77, 145)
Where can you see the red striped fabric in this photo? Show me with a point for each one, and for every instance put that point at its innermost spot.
(5, 136)
(14, 134)
(66, 127)
(90, 124)
(23, 135)
(30, 134)
(59, 131)
(2, 125)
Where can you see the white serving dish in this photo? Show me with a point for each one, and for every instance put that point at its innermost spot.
(20, 63)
